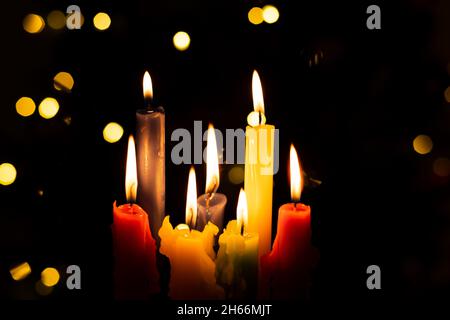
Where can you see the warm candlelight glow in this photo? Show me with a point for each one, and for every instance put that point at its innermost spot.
(257, 117)
(296, 175)
(147, 86)
(191, 200)
(242, 211)
(131, 173)
(212, 165)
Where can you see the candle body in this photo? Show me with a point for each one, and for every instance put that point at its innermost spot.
(258, 185)
(215, 212)
(191, 255)
(150, 138)
(237, 263)
(286, 269)
(135, 273)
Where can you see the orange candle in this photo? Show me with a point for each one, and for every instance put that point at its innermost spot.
(135, 273)
(285, 271)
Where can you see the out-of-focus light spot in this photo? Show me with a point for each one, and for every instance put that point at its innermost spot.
(56, 20)
(33, 23)
(316, 58)
(49, 277)
(21, 271)
(422, 144)
(112, 132)
(63, 81)
(25, 106)
(8, 174)
(40, 193)
(255, 15)
(441, 167)
(236, 175)
(102, 21)
(42, 289)
(447, 94)
(48, 108)
(181, 40)
(270, 14)
(68, 120)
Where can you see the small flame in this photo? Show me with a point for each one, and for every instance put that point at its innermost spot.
(296, 175)
(212, 165)
(242, 211)
(147, 86)
(131, 173)
(258, 99)
(191, 199)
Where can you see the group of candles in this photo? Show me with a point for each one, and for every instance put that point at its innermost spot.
(246, 264)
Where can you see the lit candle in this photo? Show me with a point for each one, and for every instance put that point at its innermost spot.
(237, 259)
(150, 140)
(191, 254)
(259, 160)
(211, 205)
(135, 273)
(286, 270)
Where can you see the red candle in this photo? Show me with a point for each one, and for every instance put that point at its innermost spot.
(135, 272)
(285, 271)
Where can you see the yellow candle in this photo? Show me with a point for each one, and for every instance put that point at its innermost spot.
(237, 260)
(259, 161)
(191, 254)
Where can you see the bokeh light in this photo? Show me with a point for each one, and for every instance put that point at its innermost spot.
(102, 21)
(21, 271)
(236, 175)
(8, 174)
(63, 81)
(422, 144)
(25, 106)
(33, 23)
(441, 167)
(255, 15)
(48, 108)
(181, 41)
(270, 14)
(49, 277)
(112, 132)
(447, 94)
(56, 20)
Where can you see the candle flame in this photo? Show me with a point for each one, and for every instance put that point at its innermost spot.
(147, 86)
(258, 100)
(296, 175)
(191, 199)
(131, 181)
(242, 211)
(212, 164)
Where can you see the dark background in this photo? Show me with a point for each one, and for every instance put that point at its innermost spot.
(352, 115)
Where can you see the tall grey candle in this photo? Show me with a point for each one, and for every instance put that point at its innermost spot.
(150, 140)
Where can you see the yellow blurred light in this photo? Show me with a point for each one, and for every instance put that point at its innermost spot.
(102, 21)
(56, 20)
(42, 289)
(33, 23)
(447, 94)
(21, 271)
(25, 106)
(113, 132)
(181, 41)
(236, 175)
(441, 167)
(422, 144)
(63, 81)
(8, 174)
(48, 108)
(255, 15)
(49, 277)
(270, 14)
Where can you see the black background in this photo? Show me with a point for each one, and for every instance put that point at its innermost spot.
(352, 117)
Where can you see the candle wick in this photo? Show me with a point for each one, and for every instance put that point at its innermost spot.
(260, 117)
